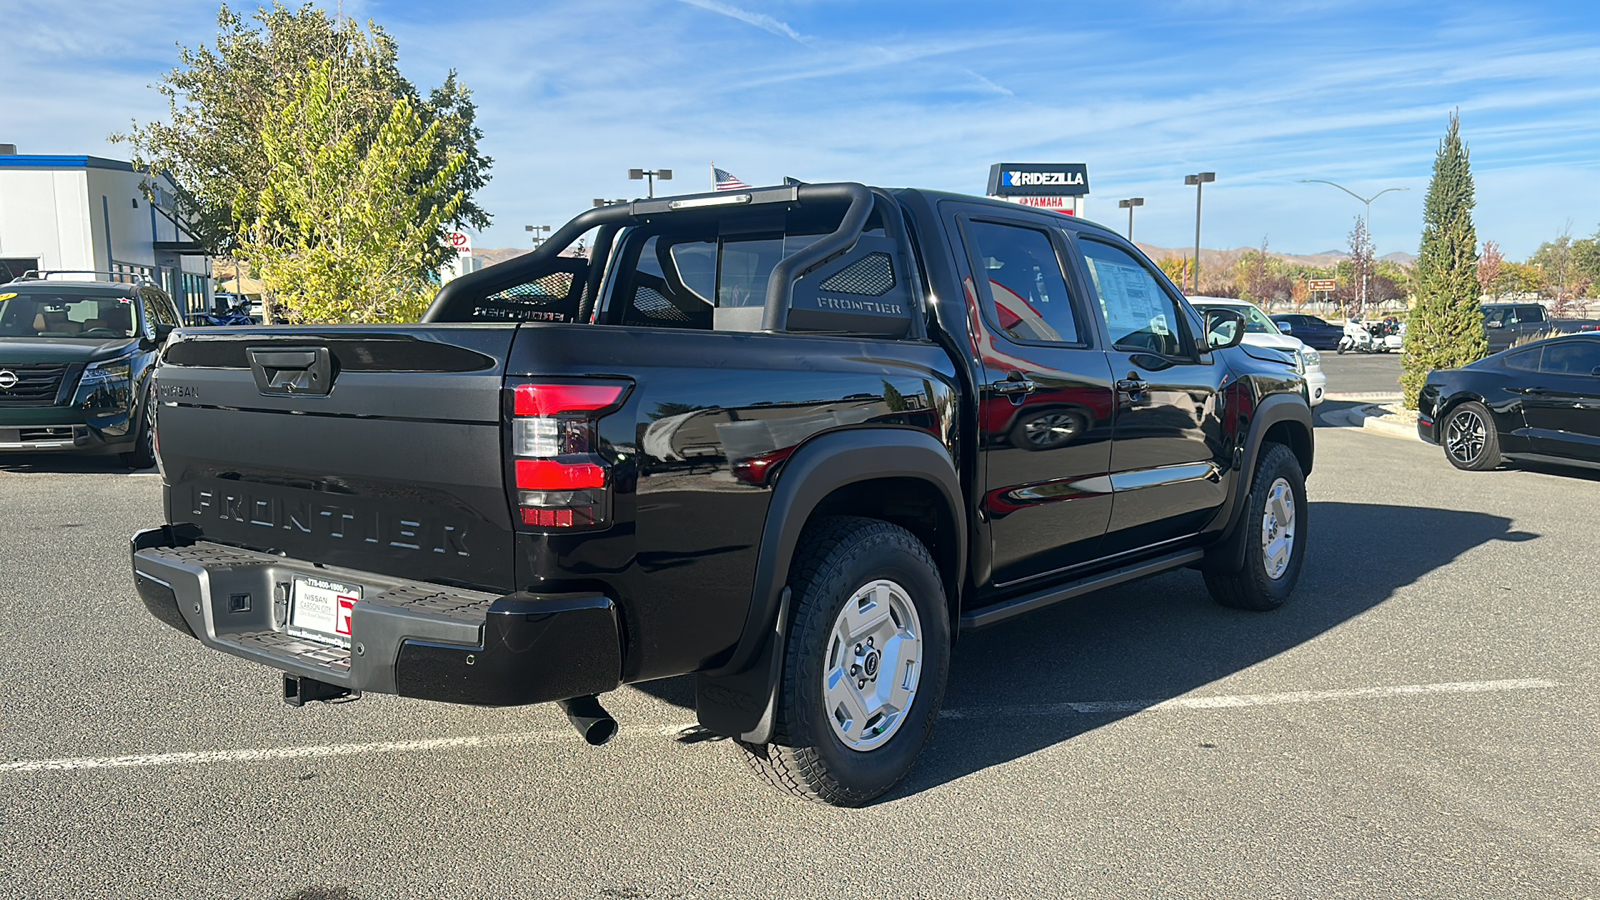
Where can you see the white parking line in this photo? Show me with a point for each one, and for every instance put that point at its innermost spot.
(1241, 700)
(1043, 710)
(204, 757)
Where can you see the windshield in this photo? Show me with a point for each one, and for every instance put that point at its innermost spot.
(65, 314)
(1255, 321)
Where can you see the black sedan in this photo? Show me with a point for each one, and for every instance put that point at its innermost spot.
(1312, 331)
(1540, 401)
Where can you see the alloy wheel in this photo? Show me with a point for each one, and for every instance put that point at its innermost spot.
(1277, 529)
(1465, 436)
(874, 665)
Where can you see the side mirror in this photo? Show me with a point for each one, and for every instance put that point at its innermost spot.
(1284, 327)
(1493, 324)
(1224, 328)
(162, 332)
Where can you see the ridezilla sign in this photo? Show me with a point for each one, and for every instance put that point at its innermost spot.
(1054, 186)
(1038, 180)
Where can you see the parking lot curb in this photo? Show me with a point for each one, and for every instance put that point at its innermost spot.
(1368, 418)
(1363, 396)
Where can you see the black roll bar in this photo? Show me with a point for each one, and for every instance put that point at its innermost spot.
(470, 288)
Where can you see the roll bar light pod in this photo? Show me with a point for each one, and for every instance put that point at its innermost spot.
(463, 292)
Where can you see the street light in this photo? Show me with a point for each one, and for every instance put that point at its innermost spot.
(537, 237)
(1128, 205)
(1366, 223)
(1198, 180)
(652, 174)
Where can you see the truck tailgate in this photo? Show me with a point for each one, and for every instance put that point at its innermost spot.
(369, 448)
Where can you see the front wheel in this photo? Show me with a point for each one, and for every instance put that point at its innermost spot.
(864, 667)
(1275, 536)
(143, 454)
(1344, 344)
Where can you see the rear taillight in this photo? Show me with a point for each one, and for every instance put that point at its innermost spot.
(559, 478)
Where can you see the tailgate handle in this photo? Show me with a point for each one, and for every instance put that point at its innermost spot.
(293, 371)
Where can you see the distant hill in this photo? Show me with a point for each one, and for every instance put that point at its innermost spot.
(1210, 258)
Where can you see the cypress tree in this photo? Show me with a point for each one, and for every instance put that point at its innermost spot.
(1445, 330)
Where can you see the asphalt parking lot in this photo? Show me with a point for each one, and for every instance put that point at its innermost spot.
(1420, 721)
(1361, 375)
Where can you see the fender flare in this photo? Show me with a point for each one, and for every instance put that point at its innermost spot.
(1227, 554)
(737, 698)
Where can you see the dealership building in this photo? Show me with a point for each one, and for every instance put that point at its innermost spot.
(86, 213)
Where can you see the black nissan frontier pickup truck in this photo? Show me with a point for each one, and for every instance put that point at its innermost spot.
(790, 440)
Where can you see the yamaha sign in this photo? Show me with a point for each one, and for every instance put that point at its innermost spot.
(1038, 180)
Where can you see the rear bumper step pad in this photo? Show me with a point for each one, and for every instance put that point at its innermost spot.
(409, 638)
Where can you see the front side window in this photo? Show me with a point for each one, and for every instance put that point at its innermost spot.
(1021, 276)
(1142, 317)
(1571, 358)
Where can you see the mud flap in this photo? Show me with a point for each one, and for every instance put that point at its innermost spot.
(740, 705)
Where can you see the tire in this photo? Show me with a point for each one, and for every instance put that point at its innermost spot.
(1048, 430)
(1340, 348)
(143, 454)
(857, 583)
(1275, 547)
(1469, 437)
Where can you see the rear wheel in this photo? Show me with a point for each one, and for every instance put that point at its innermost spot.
(1275, 547)
(1470, 440)
(864, 667)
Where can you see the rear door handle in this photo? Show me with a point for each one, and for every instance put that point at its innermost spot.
(1015, 385)
(1133, 387)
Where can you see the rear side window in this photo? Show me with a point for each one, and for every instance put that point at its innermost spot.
(1571, 358)
(1531, 313)
(1524, 360)
(1021, 283)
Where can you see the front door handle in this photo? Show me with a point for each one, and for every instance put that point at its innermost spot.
(1133, 387)
(1014, 385)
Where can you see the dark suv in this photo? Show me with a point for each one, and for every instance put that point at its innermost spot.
(75, 363)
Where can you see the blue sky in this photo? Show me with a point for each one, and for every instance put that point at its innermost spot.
(573, 94)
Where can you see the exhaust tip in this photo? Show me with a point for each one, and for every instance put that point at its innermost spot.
(600, 731)
(591, 719)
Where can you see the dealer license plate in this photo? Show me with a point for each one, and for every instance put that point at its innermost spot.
(321, 610)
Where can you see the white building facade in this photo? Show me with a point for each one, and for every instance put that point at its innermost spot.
(86, 213)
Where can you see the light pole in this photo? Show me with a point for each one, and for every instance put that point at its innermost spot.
(652, 174)
(537, 237)
(1366, 223)
(1199, 180)
(1128, 205)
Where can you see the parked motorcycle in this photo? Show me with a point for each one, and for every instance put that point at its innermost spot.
(1387, 335)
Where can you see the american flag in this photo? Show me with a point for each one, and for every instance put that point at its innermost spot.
(726, 181)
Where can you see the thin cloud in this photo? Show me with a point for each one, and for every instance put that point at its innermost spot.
(759, 20)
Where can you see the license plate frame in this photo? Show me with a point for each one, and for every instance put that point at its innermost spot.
(320, 610)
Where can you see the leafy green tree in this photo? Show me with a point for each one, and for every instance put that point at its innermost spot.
(347, 227)
(221, 99)
(1446, 328)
